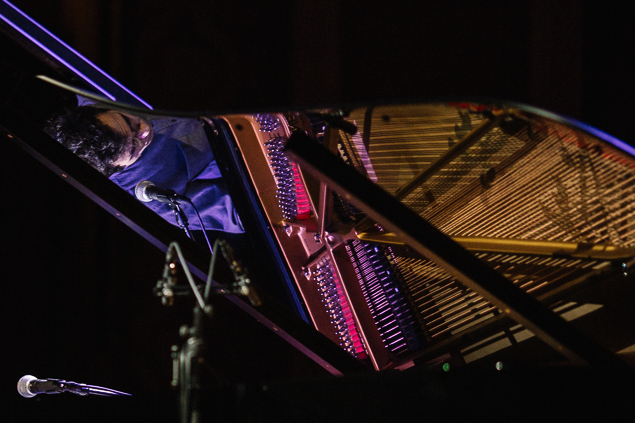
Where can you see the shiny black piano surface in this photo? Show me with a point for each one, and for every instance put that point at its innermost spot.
(80, 304)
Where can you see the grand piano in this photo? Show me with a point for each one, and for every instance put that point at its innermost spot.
(402, 248)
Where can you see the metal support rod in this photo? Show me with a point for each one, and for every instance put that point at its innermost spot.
(520, 246)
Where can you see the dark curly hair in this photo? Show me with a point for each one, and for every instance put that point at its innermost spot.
(79, 130)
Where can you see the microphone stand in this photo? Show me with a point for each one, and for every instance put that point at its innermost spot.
(188, 360)
(187, 364)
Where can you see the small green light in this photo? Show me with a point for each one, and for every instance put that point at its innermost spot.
(446, 367)
(499, 365)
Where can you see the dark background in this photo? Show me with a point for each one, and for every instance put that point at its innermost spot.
(78, 303)
(572, 57)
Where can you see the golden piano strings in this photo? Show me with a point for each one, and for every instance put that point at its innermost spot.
(548, 205)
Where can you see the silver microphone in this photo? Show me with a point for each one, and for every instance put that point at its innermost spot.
(30, 386)
(147, 191)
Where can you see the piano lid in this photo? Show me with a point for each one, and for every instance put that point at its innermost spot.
(35, 51)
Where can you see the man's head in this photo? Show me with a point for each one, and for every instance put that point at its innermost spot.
(106, 139)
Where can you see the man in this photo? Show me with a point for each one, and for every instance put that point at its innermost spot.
(172, 153)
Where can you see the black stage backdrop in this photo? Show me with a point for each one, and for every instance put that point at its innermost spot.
(77, 300)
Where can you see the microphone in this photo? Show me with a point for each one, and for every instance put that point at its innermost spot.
(245, 288)
(30, 386)
(146, 191)
(242, 285)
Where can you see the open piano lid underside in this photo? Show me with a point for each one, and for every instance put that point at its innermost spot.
(542, 200)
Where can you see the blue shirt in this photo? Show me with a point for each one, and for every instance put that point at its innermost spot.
(179, 158)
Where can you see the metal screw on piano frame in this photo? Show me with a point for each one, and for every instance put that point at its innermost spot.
(267, 122)
(306, 272)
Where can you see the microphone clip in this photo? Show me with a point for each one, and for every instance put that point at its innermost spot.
(242, 282)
